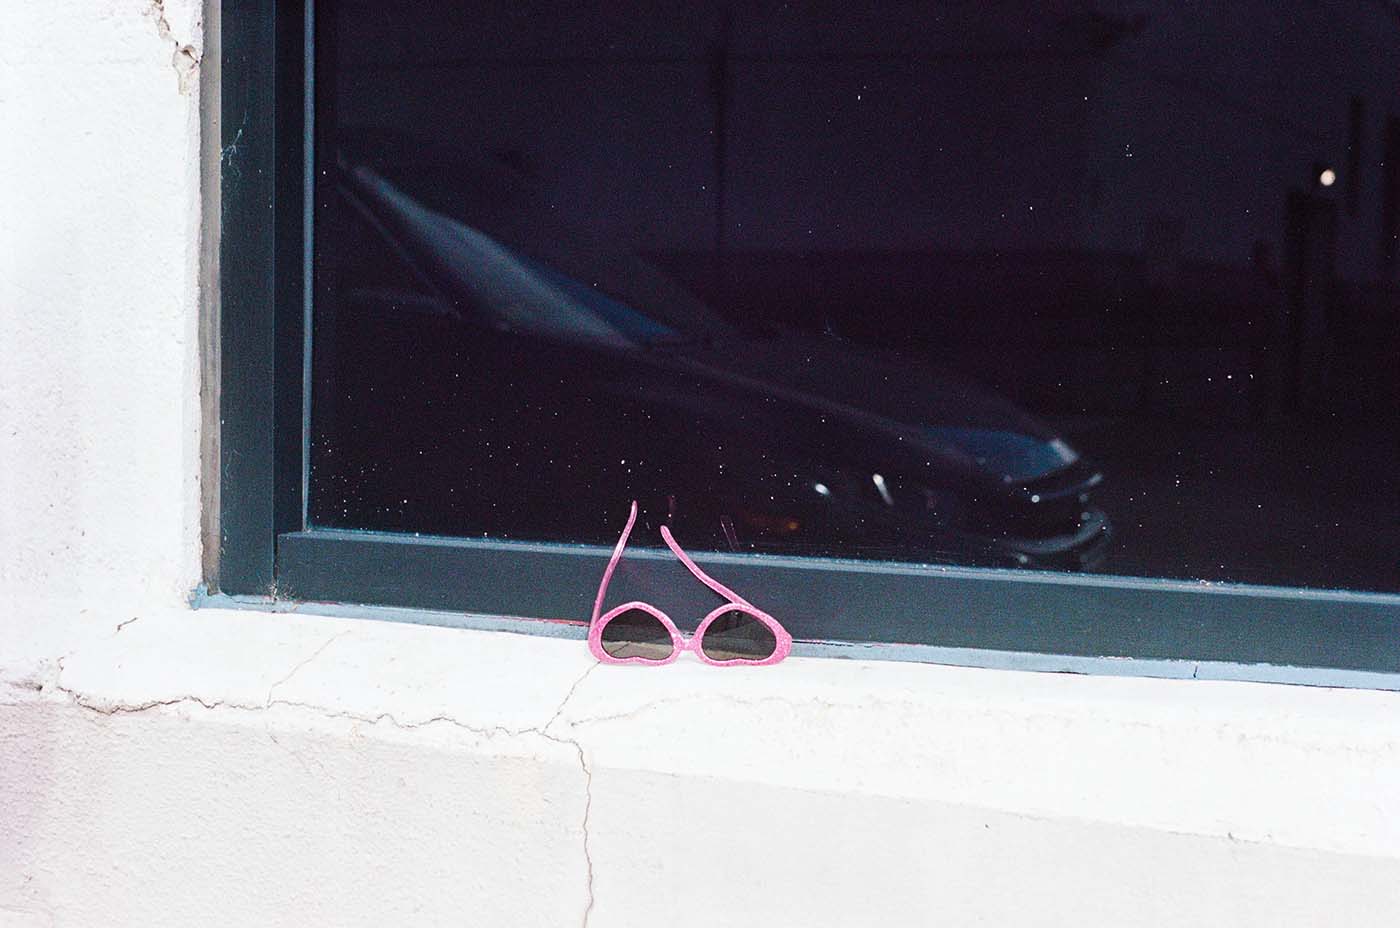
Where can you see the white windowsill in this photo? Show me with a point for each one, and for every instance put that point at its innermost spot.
(1250, 781)
(1183, 756)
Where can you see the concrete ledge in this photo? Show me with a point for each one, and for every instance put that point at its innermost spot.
(357, 771)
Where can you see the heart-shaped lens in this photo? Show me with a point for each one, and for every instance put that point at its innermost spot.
(637, 633)
(738, 635)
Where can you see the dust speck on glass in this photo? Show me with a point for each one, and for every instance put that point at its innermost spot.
(1075, 286)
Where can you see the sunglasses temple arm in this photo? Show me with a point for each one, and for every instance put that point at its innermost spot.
(612, 564)
(700, 575)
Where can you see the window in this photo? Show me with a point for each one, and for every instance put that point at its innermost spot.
(1027, 327)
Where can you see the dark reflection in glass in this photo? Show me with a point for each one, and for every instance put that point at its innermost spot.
(1054, 285)
(736, 635)
(637, 634)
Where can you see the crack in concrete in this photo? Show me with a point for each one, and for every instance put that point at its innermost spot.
(119, 708)
(488, 732)
(302, 663)
(587, 788)
(633, 713)
(32, 682)
(692, 698)
(569, 695)
(185, 59)
(587, 817)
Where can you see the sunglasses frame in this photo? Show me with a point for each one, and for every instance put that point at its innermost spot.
(680, 643)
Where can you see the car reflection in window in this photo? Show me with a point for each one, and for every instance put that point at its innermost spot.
(767, 440)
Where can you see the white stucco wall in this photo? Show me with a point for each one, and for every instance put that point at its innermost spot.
(99, 181)
(166, 766)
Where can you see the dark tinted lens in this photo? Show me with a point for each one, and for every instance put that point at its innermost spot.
(738, 634)
(637, 634)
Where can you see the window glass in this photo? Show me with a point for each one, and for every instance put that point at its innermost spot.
(1060, 285)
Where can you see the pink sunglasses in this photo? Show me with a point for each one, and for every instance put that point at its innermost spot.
(638, 633)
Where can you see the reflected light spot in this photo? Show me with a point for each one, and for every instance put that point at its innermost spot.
(883, 489)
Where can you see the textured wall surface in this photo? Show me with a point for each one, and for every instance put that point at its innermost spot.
(99, 181)
(167, 766)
